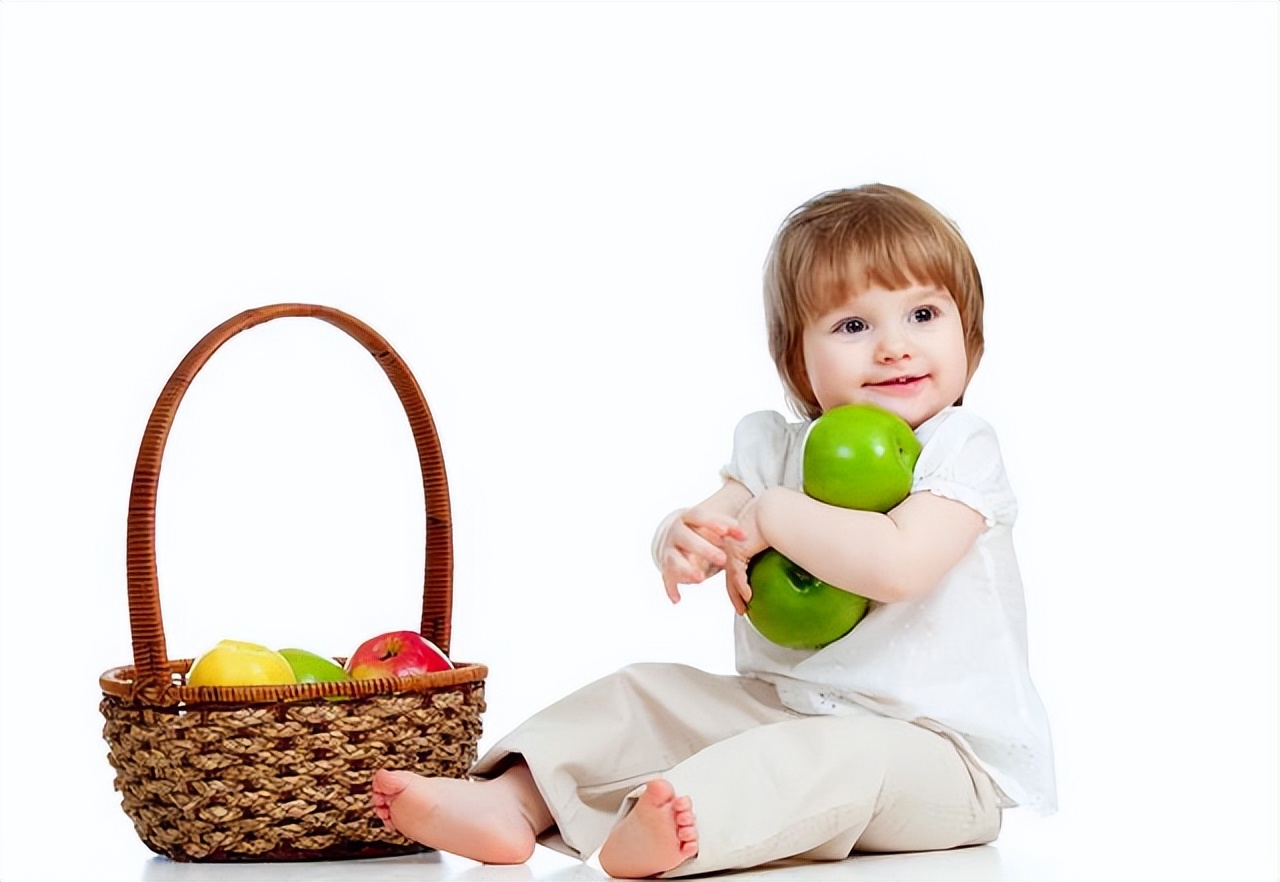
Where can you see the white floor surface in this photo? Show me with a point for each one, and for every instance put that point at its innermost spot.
(1061, 847)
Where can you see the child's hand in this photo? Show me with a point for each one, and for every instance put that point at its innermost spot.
(692, 549)
(740, 548)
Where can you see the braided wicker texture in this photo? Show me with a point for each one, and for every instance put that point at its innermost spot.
(280, 773)
(281, 782)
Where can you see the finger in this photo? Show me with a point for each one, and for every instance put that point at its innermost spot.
(678, 570)
(671, 586)
(713, 522)
(738, 606)
(741, 585)
(731, 587)
(693, 545)
(686, 570)
(718, 526)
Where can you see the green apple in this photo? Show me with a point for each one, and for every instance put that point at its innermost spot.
(855, 456)
(792, 608)
(237, 663)
(860, 456)
(311, 668)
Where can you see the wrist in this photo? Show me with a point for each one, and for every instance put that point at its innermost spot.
(660, 536)
(766, 510)
(762, 513)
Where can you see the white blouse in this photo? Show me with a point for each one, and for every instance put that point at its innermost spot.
(954, 660)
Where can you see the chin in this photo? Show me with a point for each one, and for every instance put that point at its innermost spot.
(913, 416)
(913, 410)
(907, 411)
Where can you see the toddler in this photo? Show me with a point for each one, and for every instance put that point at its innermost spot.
(912, 732)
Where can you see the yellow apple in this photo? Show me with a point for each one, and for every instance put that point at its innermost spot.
(237, 663)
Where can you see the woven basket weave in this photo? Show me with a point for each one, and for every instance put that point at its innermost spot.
(280, 773)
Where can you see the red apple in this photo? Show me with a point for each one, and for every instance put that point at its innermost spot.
(397, 654)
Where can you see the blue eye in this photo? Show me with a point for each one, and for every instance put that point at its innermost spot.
(851, 326)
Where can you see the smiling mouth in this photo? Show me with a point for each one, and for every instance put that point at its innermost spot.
(897, 381)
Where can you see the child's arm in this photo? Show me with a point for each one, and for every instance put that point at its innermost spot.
(689, 547)
(885, 557)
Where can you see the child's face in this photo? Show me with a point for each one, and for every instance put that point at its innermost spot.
(902, 349)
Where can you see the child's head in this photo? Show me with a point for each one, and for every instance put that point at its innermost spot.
(841, 243)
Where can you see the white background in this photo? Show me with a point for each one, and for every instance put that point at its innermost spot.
(557, 214)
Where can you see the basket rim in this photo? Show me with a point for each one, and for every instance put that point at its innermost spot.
(121, 682)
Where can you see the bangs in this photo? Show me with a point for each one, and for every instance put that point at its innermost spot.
(846, 260)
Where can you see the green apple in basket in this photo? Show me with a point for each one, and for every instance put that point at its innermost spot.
(311, 668)
(239, 663)
(855, 456)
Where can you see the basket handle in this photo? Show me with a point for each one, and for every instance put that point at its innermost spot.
(150, 655)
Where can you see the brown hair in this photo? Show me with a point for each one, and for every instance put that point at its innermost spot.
(840, 243)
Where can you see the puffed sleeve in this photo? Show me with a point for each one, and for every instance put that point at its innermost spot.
(762, 446)
(961, 460)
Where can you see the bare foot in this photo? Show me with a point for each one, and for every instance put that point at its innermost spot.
(657, 835)
(494, 822)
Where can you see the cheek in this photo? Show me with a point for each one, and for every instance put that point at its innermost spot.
(809, 355)
(816, 365)
(960, 367)
(826, 374)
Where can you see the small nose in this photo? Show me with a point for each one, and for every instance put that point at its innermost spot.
(892, 346)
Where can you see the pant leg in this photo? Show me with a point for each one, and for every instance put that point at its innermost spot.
(590, 749)
(819, 787)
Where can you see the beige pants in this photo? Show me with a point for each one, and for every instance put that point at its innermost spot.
(766, 783)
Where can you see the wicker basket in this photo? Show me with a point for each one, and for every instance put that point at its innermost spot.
(280, 773)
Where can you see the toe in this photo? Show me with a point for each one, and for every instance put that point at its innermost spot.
(388, 784)
(658, 792)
